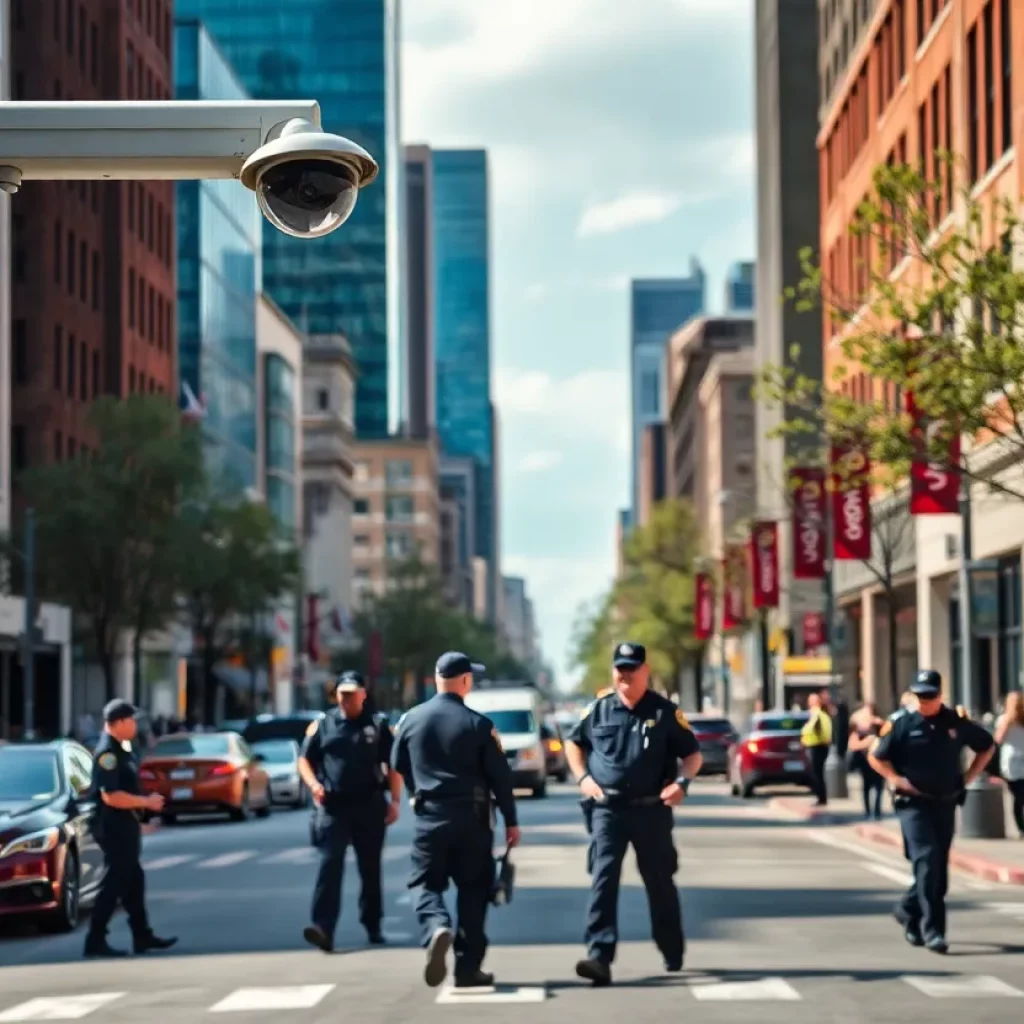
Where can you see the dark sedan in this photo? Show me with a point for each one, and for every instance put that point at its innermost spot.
(50, 864)
(715, 736)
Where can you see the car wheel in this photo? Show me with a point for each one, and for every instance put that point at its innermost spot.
(540, 790)
(241, 812)
(65, 917)
(168, 819)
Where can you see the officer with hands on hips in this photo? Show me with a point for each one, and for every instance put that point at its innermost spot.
(118, 795)
(345, 764)
(920, 754)
(626, 753)
(452, 762)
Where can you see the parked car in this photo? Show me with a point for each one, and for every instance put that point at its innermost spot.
(770, 754)
(280, 727)
(206, 772)
(280, 758)
(515, 713)
(715, 736)
(50, 863)
(554, 750)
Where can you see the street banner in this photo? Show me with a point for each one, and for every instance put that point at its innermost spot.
(851, 505)
(704, 606)
(734, 586)
(764, 562)
(813, 630)
(934, 486)
(807, 485)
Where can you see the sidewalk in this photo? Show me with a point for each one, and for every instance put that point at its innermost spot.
(996, 860)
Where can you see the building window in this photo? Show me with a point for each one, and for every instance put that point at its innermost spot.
(94, 55)
(72, 447)
(650, 392)
(72, 249)
(82, 34)
(361, 472)
(398, 545)
(131, 380)
(398, 473)
(83, 271)
(58, 252)
(95, 280)
(1007, 62)
(131, 298)
(323, 400)
(142, 306)
(360, 507)
(151, 311)
(990, 88)
(149, 222)
(973, 113)
(131, 205)
(19, 355)
(83, 375)
(69, 27)
(1010, 666)
(95, 374)
(58, 446)
(58, 358)
(71, 365)
(19, 457)
(399, 509)
(361, 541)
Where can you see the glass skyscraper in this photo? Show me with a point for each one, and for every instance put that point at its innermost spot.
(281, 414)
(219, 229)
(739, 288)
(342, 53)
(462, 332)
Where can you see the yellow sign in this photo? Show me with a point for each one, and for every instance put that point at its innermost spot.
(777, 640)
(806, 666)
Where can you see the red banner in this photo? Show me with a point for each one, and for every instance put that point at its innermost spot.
(704, 606)
(734, 587)
(764, 564)
(851, 505)
(814, 630)
(934, 486)
(807, 486)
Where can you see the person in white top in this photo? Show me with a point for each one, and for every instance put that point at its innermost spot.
(1010, 737)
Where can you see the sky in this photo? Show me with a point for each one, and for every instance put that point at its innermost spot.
(620, 145)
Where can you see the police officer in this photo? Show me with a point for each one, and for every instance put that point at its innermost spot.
(920, 754)
(452, 762)
(345, 765)
(118, 796)
(626, 752)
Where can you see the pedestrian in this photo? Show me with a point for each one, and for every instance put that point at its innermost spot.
(1009, 735)
(816, 737)
(117, 793)
(921, 755)
(452, 762)
(345, 764)
(865, 725)
(625, 753)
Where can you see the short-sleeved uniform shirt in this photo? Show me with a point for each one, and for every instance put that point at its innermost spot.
(928, 751)
(634, 751)
(348, 756)
(115, 770)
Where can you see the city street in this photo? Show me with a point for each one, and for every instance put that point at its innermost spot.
(790, 915)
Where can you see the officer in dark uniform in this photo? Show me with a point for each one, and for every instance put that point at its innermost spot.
(345, 764)
(921, 755)
(118, 796)
(452, 762)
(626, 752)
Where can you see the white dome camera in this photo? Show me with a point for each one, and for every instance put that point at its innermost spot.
(306, 180)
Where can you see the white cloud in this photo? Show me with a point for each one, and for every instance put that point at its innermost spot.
(628, 211)
(536, 292)
(539, 462)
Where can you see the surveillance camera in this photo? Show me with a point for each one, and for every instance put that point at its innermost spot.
(307, 180)
(10, 180)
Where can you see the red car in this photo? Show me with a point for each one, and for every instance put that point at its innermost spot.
(770, 754)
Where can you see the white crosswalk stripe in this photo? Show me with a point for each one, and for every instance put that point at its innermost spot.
(58, 1007)
(160, 863)
(297, 855)
(227, 860)
(300, 855)
(290, 997)
(963, 987)
(1014, 910)
(761, 990)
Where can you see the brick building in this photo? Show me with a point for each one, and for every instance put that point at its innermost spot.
(93, 289)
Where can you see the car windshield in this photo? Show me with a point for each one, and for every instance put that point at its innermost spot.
(780, 723)
(28, 774)
(716, 726)
(198, 745)
(291, 728)
(509, 722)
(276, 751)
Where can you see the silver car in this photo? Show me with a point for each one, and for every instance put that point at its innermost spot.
(280, 760)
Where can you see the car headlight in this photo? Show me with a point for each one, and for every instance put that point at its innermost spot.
(34, 842)
(528, 755)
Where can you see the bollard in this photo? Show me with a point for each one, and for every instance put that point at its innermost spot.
(835, 776)
(983, 815)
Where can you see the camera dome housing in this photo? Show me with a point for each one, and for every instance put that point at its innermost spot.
(307, 181)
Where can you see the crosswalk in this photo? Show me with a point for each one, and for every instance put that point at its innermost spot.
(1012, 910)
(702, 988)
(233, 858)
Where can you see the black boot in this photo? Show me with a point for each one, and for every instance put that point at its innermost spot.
(146, 943)
(316, 936)
(595, 971)
(474, 979)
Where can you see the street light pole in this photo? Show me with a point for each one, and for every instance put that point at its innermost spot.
(29, 639)
(964, 580)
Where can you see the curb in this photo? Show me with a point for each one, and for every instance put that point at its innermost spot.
(980, 867)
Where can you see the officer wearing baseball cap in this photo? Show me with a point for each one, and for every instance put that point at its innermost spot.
(634, 755)
(921, 755)
(345, 764)
(452, 762)
(118, 795)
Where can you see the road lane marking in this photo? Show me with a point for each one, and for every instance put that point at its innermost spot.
(167, 862)
(746, 991)
(300, 855)
(499, 994)
(1009, 909)
(226, 860)
(902, 878)
(967, 986)
(287, 997)
(59, 1007)
(404, 900)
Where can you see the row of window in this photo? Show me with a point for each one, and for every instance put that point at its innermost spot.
(71, 364)
(397, 472)
(76, 267)
(149, 312)
(989, 87)
(150, 220)
(154, 17)
(396, 545)
(71, 449)
(140, 81)
(398, 508)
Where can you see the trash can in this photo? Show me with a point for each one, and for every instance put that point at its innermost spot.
(983, 815)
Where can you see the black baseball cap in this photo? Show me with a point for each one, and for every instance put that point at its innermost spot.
(349, 682)
(453, 664)
(629, 656)
(117, 711)
(927, 683)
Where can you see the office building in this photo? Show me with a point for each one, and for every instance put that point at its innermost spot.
(739, 287)
(457, 481)
(623, 524)
(344, 55)
(657, 309)
(462, 332)
(518, 625)
(653, 471)
(219, 238)
(787, 222)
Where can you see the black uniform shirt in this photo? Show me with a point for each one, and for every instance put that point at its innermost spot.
(348, 756)
(928, 751)
(634, 751)
(114, 770)
(447, 751)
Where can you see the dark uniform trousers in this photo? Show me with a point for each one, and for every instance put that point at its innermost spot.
(454, 841)
(124, 881)
(359, 824)
(649, 828)
(928, 827)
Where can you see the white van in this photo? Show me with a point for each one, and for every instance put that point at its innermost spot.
(515, 712)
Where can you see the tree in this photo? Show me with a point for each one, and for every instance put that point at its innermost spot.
(593, 640)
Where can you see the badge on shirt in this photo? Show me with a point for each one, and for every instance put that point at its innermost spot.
(681, 718)
(650, 723)
(107, 761)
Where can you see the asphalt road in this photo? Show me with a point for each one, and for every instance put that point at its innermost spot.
(794, 917)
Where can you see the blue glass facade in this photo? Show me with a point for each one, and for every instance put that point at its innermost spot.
(739, 288)
(281, 415)
(462, 328)
(343, 54)
(219, 230)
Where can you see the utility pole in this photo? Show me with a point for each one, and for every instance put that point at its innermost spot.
(964, 579)
(29, 639)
